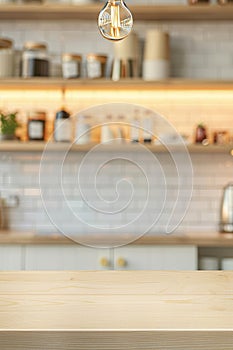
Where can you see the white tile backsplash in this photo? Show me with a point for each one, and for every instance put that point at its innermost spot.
(203, 212)
(198, 49)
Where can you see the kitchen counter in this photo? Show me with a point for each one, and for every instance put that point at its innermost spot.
(116, 310)
(205, 239)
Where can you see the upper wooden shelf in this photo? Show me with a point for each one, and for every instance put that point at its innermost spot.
(140, 12)
(127, 84)
(35, 146)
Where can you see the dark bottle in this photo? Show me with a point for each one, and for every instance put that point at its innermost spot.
(201, 134)
(62, 126)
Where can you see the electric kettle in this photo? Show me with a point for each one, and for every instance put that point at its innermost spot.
(226, 223)
(1, 213)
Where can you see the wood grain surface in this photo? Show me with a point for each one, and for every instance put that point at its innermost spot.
(199, 239)
(90, 12)
(116, 310)
(39, 146)
(107, 84)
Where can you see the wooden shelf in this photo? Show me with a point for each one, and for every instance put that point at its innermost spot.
(103, 84)
(140, 12)
(17, 146)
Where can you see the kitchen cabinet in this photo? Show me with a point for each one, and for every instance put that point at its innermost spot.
(74, 257)
(11, 257)
(156, 258)
(64, 257)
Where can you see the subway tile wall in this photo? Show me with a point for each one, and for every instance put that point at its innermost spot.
(86, 203)
(199, 50)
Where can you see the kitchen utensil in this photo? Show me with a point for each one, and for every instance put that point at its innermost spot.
(226, 224)
(126, 58)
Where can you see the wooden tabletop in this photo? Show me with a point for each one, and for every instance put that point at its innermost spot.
(199, 239)
(116, 310)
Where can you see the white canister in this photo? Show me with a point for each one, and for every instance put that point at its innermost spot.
(6, 58)
(209, 263)
(227, 264)
(156, 64)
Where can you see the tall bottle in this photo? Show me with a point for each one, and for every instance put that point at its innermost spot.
(135, 127)
(107, 134)
(83, 130)
(62, 126)
(147, 125)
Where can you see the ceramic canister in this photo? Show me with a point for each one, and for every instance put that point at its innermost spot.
(156, 64)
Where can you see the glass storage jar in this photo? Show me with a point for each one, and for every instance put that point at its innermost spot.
(35, 61)
(71, 65)
(96, 66)
(6, 58)
(36, 126)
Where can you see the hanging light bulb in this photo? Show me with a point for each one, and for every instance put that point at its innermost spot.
(115, 21)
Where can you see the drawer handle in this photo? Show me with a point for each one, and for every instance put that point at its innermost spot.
(104, 262)
(121, 262)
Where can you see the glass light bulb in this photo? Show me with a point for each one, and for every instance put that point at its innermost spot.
(115, 21)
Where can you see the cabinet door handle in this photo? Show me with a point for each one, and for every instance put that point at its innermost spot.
(104, 262)
(121, 262)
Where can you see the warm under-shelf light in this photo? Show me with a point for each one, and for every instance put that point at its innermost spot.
(115, 21)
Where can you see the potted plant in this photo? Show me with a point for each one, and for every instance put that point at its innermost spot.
(8, 125)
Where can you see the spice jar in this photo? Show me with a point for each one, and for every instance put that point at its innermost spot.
(221, 137)
(71, 65)
(201, 134)
(35, 62)
(96, 66)
(36, 126)
(6, 58)
(62, 127)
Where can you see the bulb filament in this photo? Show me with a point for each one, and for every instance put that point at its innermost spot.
(115, 21)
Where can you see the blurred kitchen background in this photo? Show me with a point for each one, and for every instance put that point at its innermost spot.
(195, 96)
